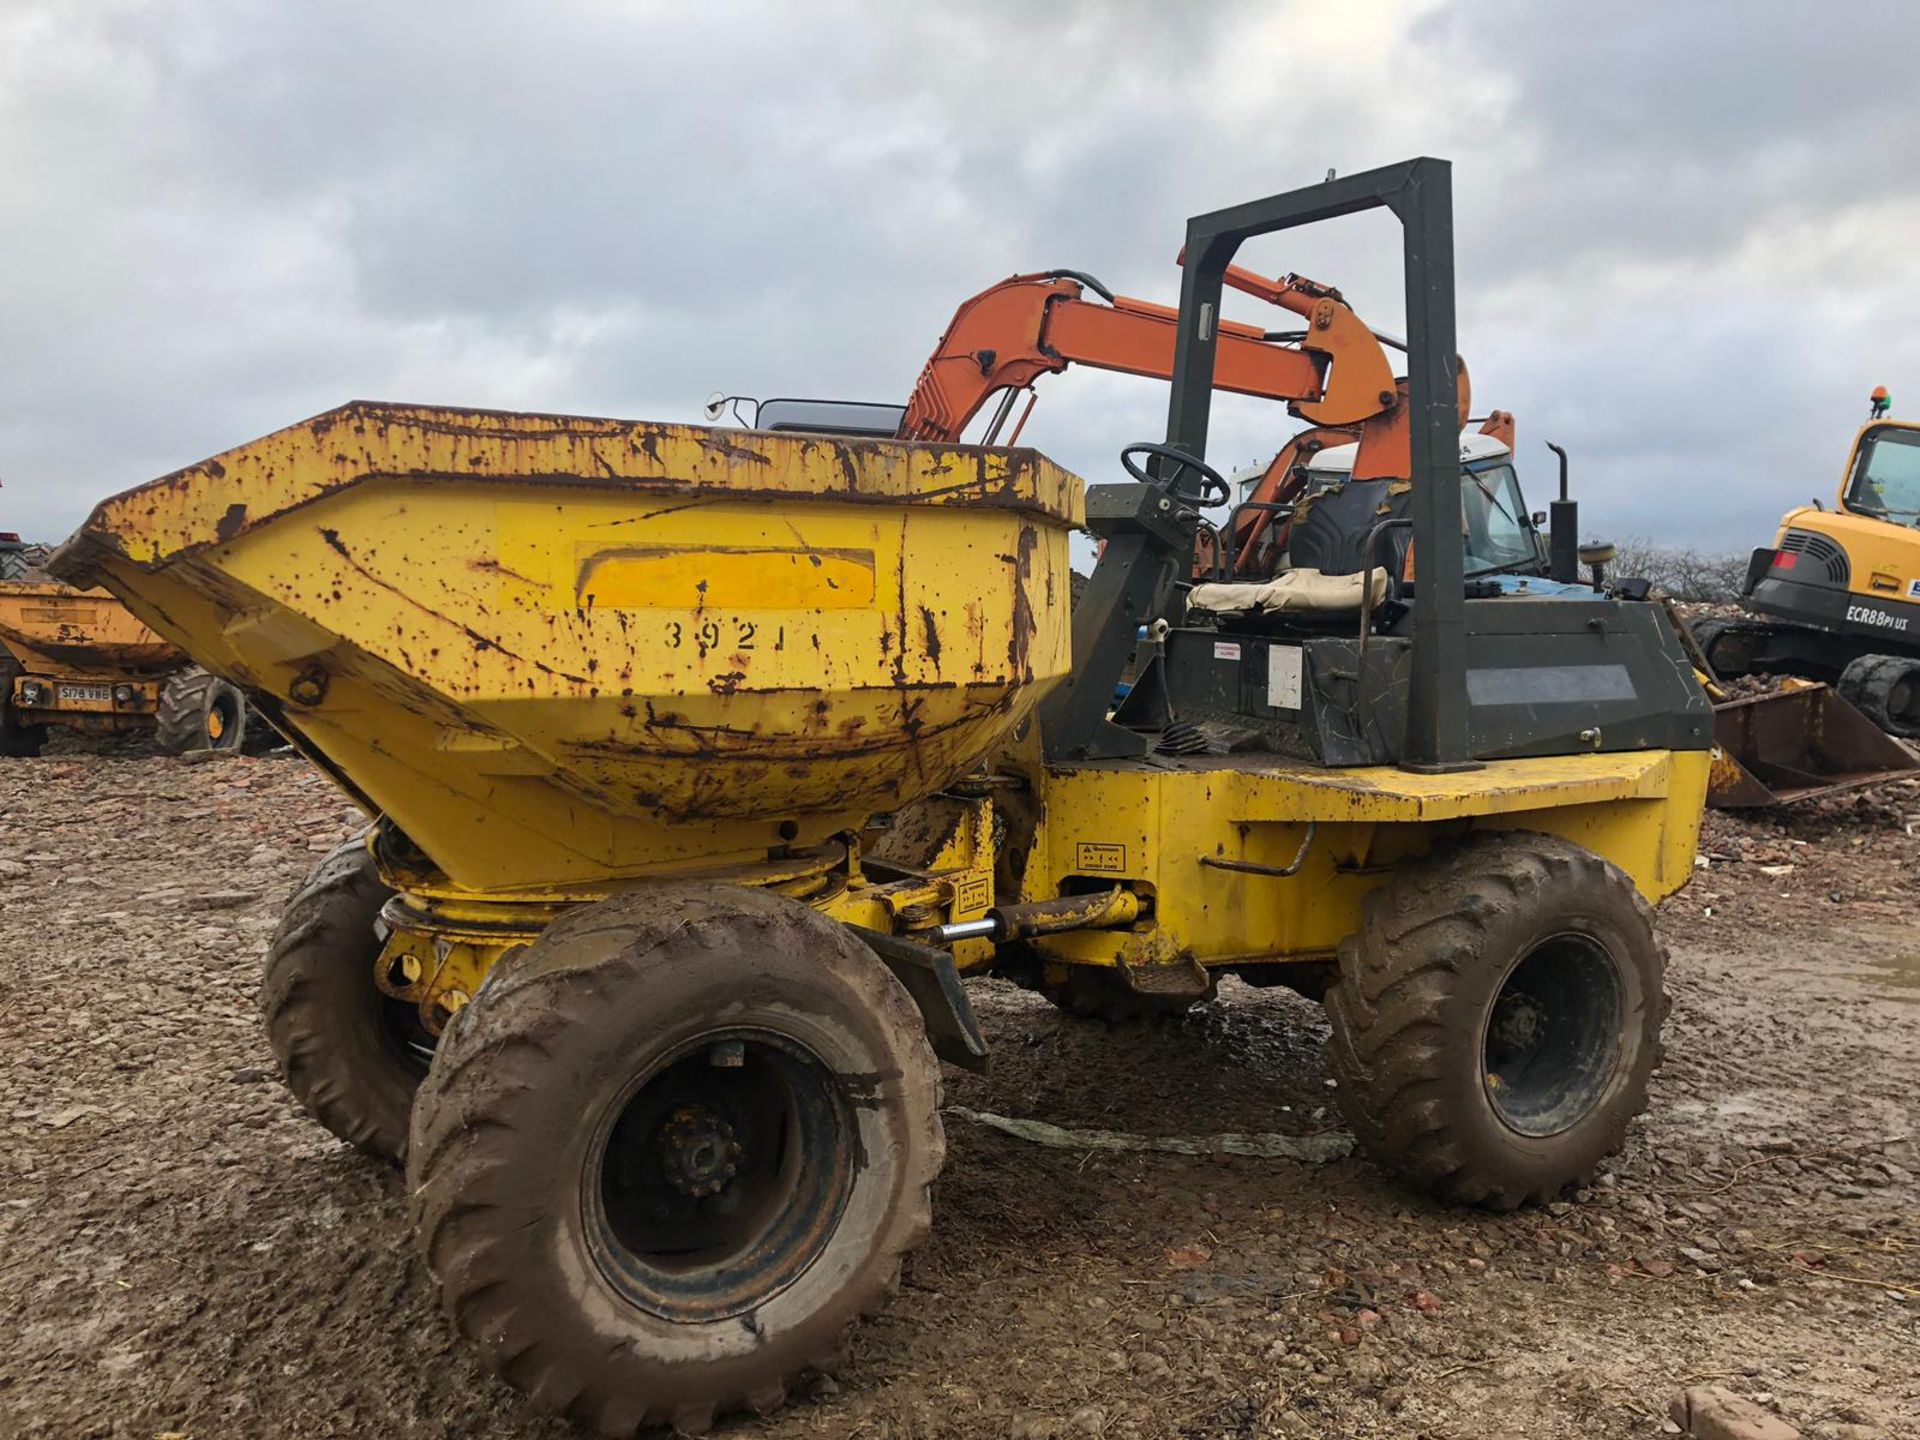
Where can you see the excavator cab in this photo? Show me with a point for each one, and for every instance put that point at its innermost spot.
(859, 419)
(1884, 480)
(1496, 527)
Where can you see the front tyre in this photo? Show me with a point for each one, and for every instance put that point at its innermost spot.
(1726, 642)
(198, 711)
(671, 1151)
(1497, 1018)
(351, 1055)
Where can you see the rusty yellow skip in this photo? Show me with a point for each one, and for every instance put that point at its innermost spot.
(704, 762)
(559, 652)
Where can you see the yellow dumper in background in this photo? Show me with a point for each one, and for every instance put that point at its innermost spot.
(78, 658)
(706, 763)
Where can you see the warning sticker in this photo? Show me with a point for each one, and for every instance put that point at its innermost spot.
(972, 894)
(1283, 676)
(1087, 855)
(1226, 649)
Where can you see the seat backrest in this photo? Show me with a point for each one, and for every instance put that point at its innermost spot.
(1330, 529)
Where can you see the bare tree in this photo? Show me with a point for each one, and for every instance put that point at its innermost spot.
(1682, 571)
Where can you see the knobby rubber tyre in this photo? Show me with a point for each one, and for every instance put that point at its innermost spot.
(352, 1056)
(1497, 1018)
(198, 711)
(584, 1121)
(1886, 689)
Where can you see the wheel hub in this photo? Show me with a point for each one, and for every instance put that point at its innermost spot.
(698, 1151)
(719, 1175)
(1553, 1041)
(1519, 1021)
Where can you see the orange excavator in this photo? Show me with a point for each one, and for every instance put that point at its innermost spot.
(1332, 372)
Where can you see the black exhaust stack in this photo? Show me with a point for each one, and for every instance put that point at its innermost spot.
(1563, 530)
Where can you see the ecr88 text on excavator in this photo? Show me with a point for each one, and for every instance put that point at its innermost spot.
(708, 762)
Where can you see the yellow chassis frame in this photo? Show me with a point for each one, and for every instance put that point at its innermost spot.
(1231, 862)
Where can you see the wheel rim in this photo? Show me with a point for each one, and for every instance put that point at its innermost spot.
(718, 1176)
(1551, 1044)
(222, 722)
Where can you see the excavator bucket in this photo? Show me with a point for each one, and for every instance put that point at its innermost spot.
(1797, 743)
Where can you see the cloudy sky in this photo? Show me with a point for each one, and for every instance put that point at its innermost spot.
(1685, 231)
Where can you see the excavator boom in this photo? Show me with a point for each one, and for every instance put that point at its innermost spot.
(1009, 335)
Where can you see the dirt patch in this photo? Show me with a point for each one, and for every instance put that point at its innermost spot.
(181, 1250)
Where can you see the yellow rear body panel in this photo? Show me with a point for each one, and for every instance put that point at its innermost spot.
(1885, 558)
(1153, 828)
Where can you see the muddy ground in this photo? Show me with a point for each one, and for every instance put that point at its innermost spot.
(183, 1253)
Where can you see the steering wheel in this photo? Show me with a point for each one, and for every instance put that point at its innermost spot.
(1213, 488)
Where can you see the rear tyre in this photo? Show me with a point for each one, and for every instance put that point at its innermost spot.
(198, 711)
(671, 1151)
(17, 738)
(1094, 992)
(1496, 1019)
(1886, 689)
(352, 1056)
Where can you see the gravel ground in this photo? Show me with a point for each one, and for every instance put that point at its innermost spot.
(183, 1253)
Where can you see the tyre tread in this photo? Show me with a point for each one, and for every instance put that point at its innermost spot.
(1390, 1050)
(490, 1055)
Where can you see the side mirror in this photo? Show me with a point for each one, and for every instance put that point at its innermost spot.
(717, 404)
(1539, 518)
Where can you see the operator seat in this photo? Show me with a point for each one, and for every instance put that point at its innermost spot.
(1321, 588)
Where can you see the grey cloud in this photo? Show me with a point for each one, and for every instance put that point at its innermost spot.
(223, 216)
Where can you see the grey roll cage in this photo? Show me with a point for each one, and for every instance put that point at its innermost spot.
(1135, 576)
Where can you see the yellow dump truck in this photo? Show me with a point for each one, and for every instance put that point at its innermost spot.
(705, 765)
(79, 658)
